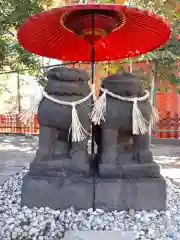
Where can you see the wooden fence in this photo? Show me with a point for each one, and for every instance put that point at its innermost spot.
(167, 126)
(10, 123)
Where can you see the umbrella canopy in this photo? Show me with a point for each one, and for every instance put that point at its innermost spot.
(112, 30)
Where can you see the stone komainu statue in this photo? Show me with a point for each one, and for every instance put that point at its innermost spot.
(66, 85)
(63, 181)
(118, 120)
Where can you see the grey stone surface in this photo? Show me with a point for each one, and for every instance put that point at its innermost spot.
(19, 151)
(67, 80)
(136, 170)
(166, 141)
(131, 168)
(68, 85)
(57, 193)
(98, 235)
(123, 194)
(118, 120)
(136, 193)
(3, 179)
(10, 171)
(140, 170)
(127, 167)
(16, 152)
(63, 167)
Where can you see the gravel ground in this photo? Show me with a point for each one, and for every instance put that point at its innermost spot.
(46, 224)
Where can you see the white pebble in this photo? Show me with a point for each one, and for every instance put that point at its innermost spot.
(14, 210)
(40, 238)
(90, 210)
(33, 231)
(14, 235)
(21, 223)
(145, 219)
(150, 231)
(10, 220)
(100, 211)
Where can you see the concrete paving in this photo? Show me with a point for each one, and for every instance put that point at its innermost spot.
(17, 152)
(100, 235)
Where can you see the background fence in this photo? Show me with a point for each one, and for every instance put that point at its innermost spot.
(19, 89)
(168, 105)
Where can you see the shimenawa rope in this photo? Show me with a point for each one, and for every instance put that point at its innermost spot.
(139, 123)
(78, 131)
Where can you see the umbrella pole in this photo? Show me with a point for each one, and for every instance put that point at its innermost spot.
(93, 160)
(93, 88)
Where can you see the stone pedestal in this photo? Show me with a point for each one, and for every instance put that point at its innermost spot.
(130, 185)
(57, 192)
(128, 168)
(58, 185)
(124, 194)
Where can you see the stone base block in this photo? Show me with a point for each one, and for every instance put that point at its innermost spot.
(63, 168)
(127, 167)
(130, 168)
(124, 194)
(147, 170)
(57, 192)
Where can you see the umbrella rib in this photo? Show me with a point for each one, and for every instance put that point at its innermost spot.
(146, 23)
(44, 34)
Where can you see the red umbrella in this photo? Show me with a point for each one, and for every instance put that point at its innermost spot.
(93, 32)
(116, 32)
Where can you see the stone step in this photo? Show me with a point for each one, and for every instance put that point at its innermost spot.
(100, 235)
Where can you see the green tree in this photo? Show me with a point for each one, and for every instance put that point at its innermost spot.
(12, 15)
(14, 12)
(165, 57)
